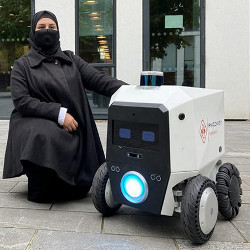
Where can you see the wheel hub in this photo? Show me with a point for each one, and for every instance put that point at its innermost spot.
(109, 196)
(208, 211)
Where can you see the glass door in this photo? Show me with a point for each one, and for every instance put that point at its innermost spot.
(96, 45)
(174, 40)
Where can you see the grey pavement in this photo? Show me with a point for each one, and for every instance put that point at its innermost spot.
(77, 224)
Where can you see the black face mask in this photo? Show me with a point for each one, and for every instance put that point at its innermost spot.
(46, 38)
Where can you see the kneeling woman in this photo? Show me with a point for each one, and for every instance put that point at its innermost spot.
(52, 134)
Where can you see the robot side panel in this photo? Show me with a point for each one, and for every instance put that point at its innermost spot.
(182, 138)
(209, 129)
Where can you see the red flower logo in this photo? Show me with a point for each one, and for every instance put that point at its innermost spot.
(203, 131)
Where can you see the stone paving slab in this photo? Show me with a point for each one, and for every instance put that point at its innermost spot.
(82, 205)
(241, 146)
(244, 214)
(238, 155)
(164, 226)
(245, 186)
(226, 232)
(246, 197)
(6, 186)
(245, 176)
(1, 163)
(241, 167)
(243, 227)
(50, 220)
(19, 200)
(78, 241)
(86, 205)
(140, 225)
(20, 187)
(241, 149)
(2, 153)
(243, 162)
(77, 224)
(13, 238)
(3, 136)
(247, 182)
(212, 245)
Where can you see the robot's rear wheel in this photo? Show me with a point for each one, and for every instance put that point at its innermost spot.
(102, 194)
(229, 190)
(199, 209)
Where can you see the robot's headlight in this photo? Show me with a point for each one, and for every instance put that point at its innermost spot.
(134, 187)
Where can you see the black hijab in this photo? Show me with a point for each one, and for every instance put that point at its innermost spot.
(32, 39)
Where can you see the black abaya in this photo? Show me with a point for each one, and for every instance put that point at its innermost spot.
(39, 87)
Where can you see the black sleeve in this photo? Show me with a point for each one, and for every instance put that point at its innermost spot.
(95, 80)
(23, 102)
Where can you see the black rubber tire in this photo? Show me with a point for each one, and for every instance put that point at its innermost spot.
(229, 190)
(190, 206)
(98, 192)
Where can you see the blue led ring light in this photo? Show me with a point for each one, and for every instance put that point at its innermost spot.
(134, 187)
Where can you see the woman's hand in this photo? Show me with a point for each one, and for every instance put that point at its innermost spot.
(70, 124)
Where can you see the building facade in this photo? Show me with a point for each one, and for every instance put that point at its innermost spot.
(196, 43)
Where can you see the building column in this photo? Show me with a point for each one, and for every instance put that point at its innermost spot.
(227, 54)
(65, 13)
(129, 40)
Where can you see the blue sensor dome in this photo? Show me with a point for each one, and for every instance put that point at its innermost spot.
(134, 187)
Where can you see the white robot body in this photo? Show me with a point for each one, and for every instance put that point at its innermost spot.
(196, 130)
(195, 140)
(164, 151)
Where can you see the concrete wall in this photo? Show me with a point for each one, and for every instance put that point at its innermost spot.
(129, 40)
(65, 13)
(227, 53)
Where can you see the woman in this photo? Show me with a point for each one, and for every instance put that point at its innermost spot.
(52, 134)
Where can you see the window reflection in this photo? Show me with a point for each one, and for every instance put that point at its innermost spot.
(175, 40)
(96, 31)
(96, 45)
(99, 103)
(14, 31)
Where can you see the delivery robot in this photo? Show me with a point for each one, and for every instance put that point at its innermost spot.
(164, 155)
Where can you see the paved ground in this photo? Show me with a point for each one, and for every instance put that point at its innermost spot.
(77, 225)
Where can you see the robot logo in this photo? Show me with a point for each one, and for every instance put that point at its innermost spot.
(203, 131)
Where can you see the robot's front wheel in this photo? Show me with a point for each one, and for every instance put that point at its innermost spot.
(102, 194)
(199, 209)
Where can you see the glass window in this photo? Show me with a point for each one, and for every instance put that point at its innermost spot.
(96, 31)
(175, 41)
(14, 31)
(99, 103)
(96, 44)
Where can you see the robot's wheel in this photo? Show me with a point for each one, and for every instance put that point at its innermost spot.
(229, 190)
(199, 209)
(102, 194)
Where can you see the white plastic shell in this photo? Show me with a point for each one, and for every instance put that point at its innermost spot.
(197, 141)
